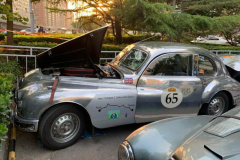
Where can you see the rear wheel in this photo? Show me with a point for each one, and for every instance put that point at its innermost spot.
(217, 106)
(61, 126)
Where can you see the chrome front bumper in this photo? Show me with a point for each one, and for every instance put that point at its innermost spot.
(21, 123)
(25, 124)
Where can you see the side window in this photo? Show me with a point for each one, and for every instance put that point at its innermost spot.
(171, 65)
(203, 66)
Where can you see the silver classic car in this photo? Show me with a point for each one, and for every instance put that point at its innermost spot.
(146, 82)
(186, 138)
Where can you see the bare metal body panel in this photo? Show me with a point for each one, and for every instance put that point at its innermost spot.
(187, 138)
(135, 102)
(232, 60)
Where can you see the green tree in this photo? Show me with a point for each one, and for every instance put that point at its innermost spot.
(160, 16)
(225, 15)
(212, 8)
(7, 14)
(129, 14)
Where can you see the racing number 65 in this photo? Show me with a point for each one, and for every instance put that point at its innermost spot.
(172, 98)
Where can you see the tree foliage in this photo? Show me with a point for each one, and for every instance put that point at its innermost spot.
(225, 15)
(212, 8)
(5, 12)
(8, 73)
(197, 16)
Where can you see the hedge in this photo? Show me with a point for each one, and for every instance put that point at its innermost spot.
(217, 47)
(5, 99)
(8, 73)
(2, 36)
(105, 47)
(38, 44)
(26, 38)
(107, 40)
(130, 39)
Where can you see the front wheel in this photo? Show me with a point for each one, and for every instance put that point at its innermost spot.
(61, 126)
(217, 106)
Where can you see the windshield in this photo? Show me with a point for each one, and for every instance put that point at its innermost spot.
(117, 59)
(134, 59)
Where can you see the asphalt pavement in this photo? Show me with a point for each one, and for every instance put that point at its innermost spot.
(102, 147)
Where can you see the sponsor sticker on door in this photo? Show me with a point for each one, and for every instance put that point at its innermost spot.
(171, 97)
(114, 114)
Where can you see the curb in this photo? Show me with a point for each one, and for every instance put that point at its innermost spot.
(12, 143)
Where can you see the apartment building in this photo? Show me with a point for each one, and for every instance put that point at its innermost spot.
(55, 21)
(21, 7)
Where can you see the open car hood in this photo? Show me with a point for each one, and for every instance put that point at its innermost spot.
(82, 51)
(231, 60)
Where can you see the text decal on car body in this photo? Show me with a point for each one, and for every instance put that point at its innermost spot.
(128, 81)
(186, 90)
(171, 97)
(115, 107)
(114, 114)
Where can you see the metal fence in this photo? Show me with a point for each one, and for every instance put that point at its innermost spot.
(226, 51)
(105, 56)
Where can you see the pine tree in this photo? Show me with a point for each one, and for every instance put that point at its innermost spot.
(225, 15)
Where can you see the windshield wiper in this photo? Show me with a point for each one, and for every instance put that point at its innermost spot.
(225, 116)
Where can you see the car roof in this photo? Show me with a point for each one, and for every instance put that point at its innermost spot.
(156, 48)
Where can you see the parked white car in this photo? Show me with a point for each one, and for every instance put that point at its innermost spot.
(210, 39)
(27, 30)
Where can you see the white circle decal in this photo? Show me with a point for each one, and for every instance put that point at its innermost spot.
(171, 97)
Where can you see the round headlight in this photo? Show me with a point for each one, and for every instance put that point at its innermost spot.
(125, 152)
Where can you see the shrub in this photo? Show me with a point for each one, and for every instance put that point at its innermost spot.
(38, 44)
(217, 47)
(111, 47)
(105, 47)
(2, 36)
(30, 38)
(130, 39)
(8, 73)
(107, 40)
(5, 99)
(10, 67)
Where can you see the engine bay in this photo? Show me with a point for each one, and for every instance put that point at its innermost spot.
(98, 71)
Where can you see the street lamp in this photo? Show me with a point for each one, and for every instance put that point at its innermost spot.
(31, 16)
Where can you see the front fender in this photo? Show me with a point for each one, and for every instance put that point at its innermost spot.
(160, 139)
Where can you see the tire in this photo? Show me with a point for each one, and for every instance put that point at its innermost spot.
(217, 106)
(61, 126)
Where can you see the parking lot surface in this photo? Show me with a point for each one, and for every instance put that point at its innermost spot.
(99, 148)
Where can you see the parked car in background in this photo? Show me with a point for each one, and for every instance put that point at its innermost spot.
(61, 30)
(186, 138)
(146, 82)
(212, 40)
(27, 30)
(68, 32)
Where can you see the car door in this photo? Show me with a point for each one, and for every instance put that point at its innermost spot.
(168, 87)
